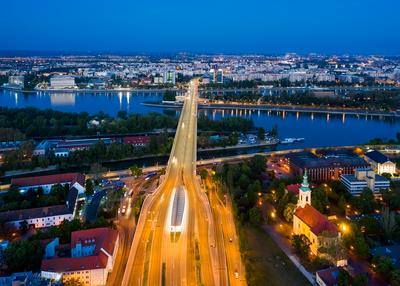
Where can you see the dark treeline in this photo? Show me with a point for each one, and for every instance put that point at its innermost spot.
(97, 153)
(231, 124)
(14, 200)
(373, 100)
(377, 100)
(34, 122)
(285, 83)
(244, 182)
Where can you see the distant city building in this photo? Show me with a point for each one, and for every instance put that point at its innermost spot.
(96, 83)
(136, 141)
(92, 258)
(325, 166)
(47, 182)
(169, 77)
(81, 144)
(212, 76)
(62, 82)
(216, 76)
(364, 178)
(380, 163)
(308, 221)
(62, 148)
(158, 79)
(220, 76)
(17, 81)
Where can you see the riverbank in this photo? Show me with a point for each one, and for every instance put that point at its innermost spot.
(89, 90)
(17, 173)
(282, 108)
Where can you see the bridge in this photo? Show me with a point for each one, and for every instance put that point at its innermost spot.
(197, 255)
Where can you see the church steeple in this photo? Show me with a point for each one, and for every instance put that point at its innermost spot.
(304, 192)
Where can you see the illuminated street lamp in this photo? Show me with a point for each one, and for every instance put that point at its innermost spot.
(344, 228)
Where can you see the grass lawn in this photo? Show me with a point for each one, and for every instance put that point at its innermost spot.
(266, 263)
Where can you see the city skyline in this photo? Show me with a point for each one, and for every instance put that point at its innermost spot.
(215, 28)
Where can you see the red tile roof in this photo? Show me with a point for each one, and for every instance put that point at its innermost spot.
(294, 188)
(103, 237)
(66, 264)
(315, 220)
(70, 178)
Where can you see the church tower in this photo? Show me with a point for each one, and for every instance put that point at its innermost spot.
(304, 192)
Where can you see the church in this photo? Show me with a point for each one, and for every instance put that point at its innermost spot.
(321, 232)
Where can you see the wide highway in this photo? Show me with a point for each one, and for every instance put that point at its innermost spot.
(193, 256)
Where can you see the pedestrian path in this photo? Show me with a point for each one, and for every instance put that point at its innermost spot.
(285, 248)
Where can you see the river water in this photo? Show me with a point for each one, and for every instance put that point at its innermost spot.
(319, 130)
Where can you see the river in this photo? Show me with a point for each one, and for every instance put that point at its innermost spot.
(319, 130)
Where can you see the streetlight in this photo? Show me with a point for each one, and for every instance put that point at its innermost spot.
(344, 228)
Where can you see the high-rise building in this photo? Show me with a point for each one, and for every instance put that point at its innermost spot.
(212, 75)
(169, 77)
(220, 76)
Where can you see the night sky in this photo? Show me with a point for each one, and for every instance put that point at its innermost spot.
(218, 26)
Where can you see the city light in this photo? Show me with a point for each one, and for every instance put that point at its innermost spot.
(344, 228)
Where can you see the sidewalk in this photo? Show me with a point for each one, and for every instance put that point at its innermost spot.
(286, 249)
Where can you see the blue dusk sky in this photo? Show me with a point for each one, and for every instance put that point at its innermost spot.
(212, 26)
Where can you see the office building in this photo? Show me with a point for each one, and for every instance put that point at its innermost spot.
(212, 76)
(220, 76)
(364, 178)
(325, 166)
(62, 82)
(379, 162)
(169, 77)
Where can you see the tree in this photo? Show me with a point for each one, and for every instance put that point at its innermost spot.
(288, 212)
(274, 130)
(395, 275)
(319, 199)
(360, 280)
(136, 171)
(343, 278)
(96, 170)
(301, 245)
(366, 202)
(255, 215)
(23, 255)
(389, 223)
(260, 133)
(23, 226)
(203, 174)
(369, 225)
(383, 266)
(89, 187)
(244, 181)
